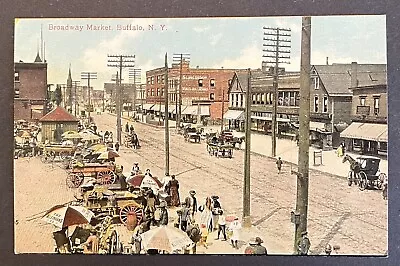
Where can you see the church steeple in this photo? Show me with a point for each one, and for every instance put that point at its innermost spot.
(38, 59)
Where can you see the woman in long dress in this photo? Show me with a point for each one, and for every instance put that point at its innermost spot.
(173, 186)
(206, 214)
(235, 228)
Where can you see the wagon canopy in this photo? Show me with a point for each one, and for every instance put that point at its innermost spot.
(108, 155)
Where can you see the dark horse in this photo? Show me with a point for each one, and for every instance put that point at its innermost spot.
(355, 169)
(135, 141)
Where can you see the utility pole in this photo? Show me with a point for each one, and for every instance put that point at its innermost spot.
(304, 130)
(246, 184)
(135, 74)
(120, 61)
(89, 76)
(274, 41)
(180, 58)
(75, 83)
(166, 123)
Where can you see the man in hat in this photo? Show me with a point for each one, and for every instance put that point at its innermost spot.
(279, 164)
(173, 187)
(258, 248)
(135, 168)
(184, 217)
(191, 203)
(216, 206)
(303, 245)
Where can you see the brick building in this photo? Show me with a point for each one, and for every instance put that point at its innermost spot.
(30, 89)
(203, 90)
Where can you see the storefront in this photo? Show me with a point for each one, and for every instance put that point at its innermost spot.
(235, 119)
(366, 138)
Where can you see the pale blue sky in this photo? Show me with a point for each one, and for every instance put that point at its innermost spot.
(212, 43)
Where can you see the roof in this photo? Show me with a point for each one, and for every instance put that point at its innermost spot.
(261, 80)
(336, 78)
(59, 114)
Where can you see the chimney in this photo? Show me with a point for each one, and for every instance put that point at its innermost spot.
(327, 61)
(354, 80)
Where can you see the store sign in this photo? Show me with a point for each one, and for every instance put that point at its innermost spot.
(194, 77)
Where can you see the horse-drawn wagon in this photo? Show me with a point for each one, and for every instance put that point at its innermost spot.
(364, 172)
(122, 205)
(220, 150)
(104, 173)
(192, 137)
(50, 152)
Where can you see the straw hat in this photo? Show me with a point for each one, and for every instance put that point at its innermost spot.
(192, 192)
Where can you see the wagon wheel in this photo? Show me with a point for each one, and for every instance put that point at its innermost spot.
(106, 177)
(381, 179)
(74, 180)
(363, 181)
(131, 210)
(350, 178)
(45, 158)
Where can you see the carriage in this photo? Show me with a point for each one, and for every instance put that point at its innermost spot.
(104, 173)
(364, 172)
(51, 152)
(121, 205)
(220, 150)
(192, 137)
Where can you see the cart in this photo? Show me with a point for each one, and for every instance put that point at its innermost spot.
(220, 150)
(104, 173)
(51, 152)
(192, 137)
(121, 205)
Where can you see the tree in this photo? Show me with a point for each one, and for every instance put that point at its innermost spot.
(58, 95)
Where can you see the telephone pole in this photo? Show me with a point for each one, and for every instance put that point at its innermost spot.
(120, 61)
(89, 76)
(279, 46)
(304, 130)
(166, 123)
(246, 184)
(75, 83)
(135, 74)
(180, 58)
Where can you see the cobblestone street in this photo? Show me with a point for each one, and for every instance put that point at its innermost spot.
(338, 214)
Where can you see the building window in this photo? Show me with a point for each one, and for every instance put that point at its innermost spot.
(253, 96)
(280, 98)
(152, 80)
(325, 105)
(292, 96)
(212, 82)
(376, 105)
(262, 98)
(162, 92)
(231, 101)
(362, 100)
(297, 96)
(16, 76)
(162, 79)
(200, 82)
(316, 104)
(316, 83)
(16, 95)
(237, 100)
(212, 96)
(241, 100)
(152, 92)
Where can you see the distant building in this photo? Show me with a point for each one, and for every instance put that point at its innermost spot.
(30, 89)
(57, 122)
(330, 99)
(128, 94)
(368, 132)
(204, 91)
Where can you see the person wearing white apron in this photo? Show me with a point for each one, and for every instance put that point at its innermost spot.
(235, 228)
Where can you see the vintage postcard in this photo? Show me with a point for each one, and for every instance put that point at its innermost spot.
(262, 135)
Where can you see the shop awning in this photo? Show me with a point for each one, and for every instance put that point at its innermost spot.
(156, 107)
(317, 126)
(366, 131)
(147, 106)
(234, 115)
(266, 118)
(190, 110)
(383, 137)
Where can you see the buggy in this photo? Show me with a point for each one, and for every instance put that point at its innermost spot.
(365, 172)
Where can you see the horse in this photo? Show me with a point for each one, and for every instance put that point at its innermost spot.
(135, 141)
(355, 168)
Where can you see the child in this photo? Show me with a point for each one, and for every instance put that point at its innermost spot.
(204, 235)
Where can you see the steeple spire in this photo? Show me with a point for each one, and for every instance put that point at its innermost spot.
(38, 59)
